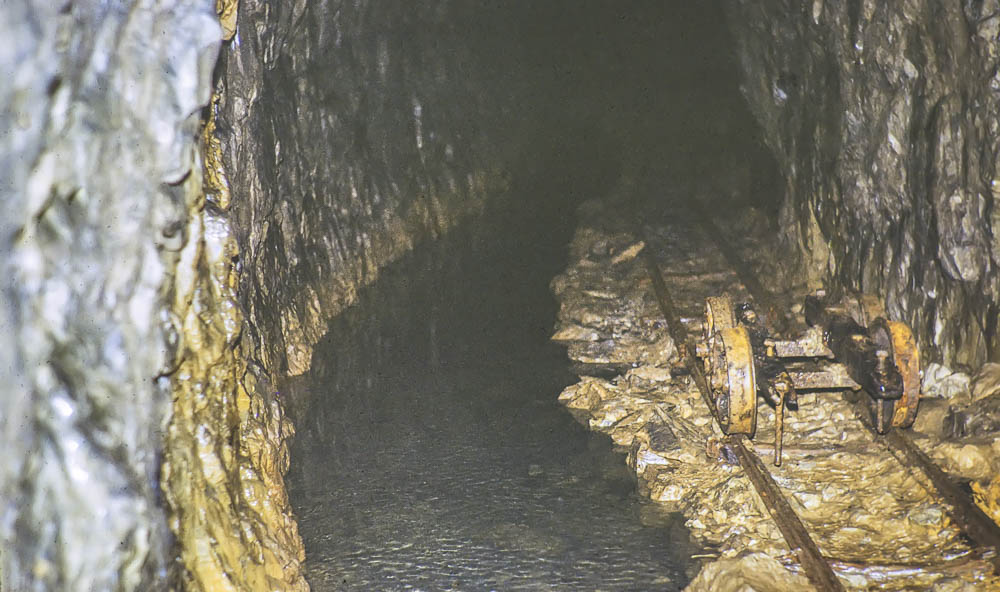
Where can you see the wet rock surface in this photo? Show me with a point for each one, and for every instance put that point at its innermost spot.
(133, 276)
(867, 513)
(101, 104)
(349, 136)
(144, 455)
(129, 219)
(225, 454)
(752, 571)
(883, 120)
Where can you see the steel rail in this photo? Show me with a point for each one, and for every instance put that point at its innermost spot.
(979, 527)
(816, 567)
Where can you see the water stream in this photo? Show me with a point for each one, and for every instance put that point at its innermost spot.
(431, 452)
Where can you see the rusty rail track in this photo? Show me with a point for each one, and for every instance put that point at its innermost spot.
(963, 511)
(976, 525)
(979, 529)
(816, 567)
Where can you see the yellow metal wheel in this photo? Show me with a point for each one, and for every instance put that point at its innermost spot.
(733, 379)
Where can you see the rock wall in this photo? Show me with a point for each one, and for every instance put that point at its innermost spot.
(226, 448)
(348, 135)
(325, 157)
(101, 104)
(883, 118)
(145, 451)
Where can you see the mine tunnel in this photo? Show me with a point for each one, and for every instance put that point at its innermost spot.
(499, 295)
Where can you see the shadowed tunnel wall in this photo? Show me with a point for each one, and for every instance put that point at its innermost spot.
(883, 119)
(167, 255)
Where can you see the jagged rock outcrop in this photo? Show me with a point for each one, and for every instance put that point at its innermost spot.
(100, 104)
(883, 117)
(226, 448)
(143, 452)
(347, 138)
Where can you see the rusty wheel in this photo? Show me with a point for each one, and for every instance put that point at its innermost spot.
(733, 380)
(719, 315)
(898, 340)
(906, 356)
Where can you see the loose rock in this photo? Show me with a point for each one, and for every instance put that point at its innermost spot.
(860, 505)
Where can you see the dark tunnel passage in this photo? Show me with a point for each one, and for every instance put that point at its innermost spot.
(434, 454)
(431, 452)
(371, 294)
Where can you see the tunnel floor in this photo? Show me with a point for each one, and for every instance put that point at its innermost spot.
(432, 453)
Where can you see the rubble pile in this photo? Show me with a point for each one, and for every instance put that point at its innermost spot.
(874, 519)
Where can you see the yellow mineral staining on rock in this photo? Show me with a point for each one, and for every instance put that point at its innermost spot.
(986, 382)
(226, 9)
(226, 450)
(966, 461)
(988, 497)
(875, 520)
(305, 322)
(750, 571)
(214, 181)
